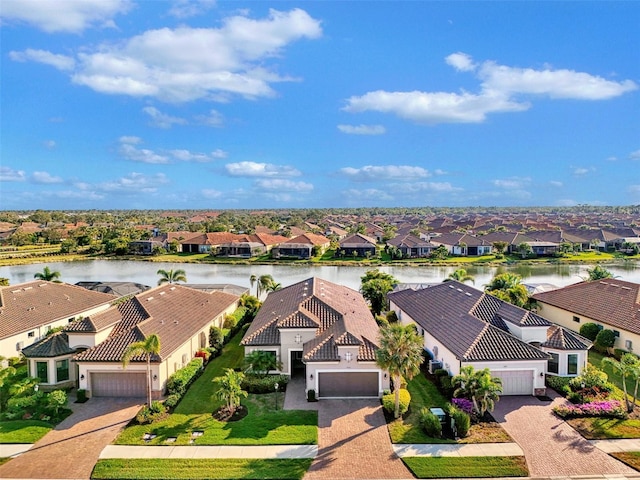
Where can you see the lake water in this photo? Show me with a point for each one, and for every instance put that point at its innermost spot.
(145, 272)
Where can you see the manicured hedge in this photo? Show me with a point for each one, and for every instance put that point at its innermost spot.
(389, 401)
(180, 381)
(256, 384)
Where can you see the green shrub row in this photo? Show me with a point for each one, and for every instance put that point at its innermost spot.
(179, 382)
(266, 384)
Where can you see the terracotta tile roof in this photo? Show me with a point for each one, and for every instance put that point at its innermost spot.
(340, 315)
(560, 338)
(465, 321)
(612, 302)
(173, 312)
(53, 345)
(358, 240)
(308, 239)
(39, 303)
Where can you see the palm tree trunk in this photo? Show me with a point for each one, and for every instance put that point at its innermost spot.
(396, 387)
(148, 380)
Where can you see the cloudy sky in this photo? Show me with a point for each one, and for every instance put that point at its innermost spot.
(212, 104)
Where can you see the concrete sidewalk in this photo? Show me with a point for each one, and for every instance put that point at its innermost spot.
(617, 445)
(459, 450)
(210, 451)
(13, 449)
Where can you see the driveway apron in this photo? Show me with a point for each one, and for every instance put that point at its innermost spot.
(354, 443)
(72, 449)
(550, 445)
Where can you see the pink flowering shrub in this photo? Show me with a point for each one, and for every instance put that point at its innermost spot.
(606, 408)
(463, 404)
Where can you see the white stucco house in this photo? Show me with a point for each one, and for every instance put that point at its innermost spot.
(324, 332)
(464, 326)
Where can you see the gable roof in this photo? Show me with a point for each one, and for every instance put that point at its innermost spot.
(38, 303)
(468, 322)
(358, 240)
(307, 239)
(175, 313)
(610, 301)
(339, 315)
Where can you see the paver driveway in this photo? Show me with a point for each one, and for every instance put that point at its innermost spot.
(354, 443)
(551, 446)
(72, 448)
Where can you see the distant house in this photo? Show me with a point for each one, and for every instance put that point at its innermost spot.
(463, 326)
(302, 246)
(412, 246)
(323, 332)
(145, 247)
(250, 245)
(359, 245)
(29, 310)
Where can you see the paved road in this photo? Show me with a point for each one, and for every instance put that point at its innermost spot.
(72, 449)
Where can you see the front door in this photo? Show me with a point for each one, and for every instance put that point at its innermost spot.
(297, 367)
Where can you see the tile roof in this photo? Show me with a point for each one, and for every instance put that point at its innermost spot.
(53, 345)
(308, 239)
(173, 312)
(39, 303)
(612, 302)
(560, 338)
(466, 321)
(339, 314)
(358, 240)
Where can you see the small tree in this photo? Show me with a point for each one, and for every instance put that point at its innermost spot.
(374, 288)
(589, 330)
(605, 339)
(171, 276)
(216, 337)
(260, 363)
(230, 389)
(500, 247)
(461, 276)
(525, 249)
(48, 275)
(627, 367)
(148, 347)
(598, 273)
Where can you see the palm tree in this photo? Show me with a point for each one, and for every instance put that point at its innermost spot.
(598, 273)
(461, 276)
(148, 347)
(230, 391)
(479, 386)
(48, 275)
(400, 353)
(273, 286)
(264, 281)
(252, 281)
(627, 367)
(508, 287)
(171, 276)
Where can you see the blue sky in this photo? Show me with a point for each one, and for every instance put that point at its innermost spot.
(117, 104)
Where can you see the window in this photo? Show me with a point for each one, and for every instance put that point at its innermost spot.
(616, 333)
(184, 359)
(576, 319)
(347, 356)
(62, 370)
(554, 362)
(42, 371)
(298, 338)
(31, 334)
(572, 368)
(628, 345)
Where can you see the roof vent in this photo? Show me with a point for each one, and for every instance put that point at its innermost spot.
(162, 293)
(149, 299)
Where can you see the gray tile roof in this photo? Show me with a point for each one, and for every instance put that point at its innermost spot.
(339, 314)
(54, 345)
(560, 338)
(38, 303)
(466, 321)
(611, 301)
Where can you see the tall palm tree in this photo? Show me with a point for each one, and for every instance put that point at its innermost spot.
(48, 275)
(171, 276)
(264, 281)
(252, 281)
(148, 347)
(400, 353)
(626, 367)
(461, 276)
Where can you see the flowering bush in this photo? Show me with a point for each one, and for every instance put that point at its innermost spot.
(607, 408)
(463, 404)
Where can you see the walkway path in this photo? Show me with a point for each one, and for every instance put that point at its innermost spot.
(550, 445)
(73, 447)
(210, 451)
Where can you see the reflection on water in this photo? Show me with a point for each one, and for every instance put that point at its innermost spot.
(145, 272)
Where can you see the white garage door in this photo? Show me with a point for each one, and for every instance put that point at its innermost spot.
(108, 384)
(515, 382)
(348, 384)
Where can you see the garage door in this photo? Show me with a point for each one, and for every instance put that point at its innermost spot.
(118, 384)
(348, 384)
(516, 382)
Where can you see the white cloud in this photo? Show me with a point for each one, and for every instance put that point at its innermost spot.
(131, 139)
(190, 8)
(581, 171)
(366, 194)
(439, 171)
(424, 187)
(555, 183)
(162, 120)
(511, 183)
(212, 119)
(219, 153)
(283, 184)
(61, 62)
(254, 169)
(187, 156)
(49, 144)
(635, 155)
(362, 129)
(135, 183)
(187, 64)
(210, 193)
(612, 159)
(501, 90)
(45, 177)
(64, 15)
(370, 173)
(8, 174)
(129, 151)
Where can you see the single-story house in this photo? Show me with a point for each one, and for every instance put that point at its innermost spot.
(250, 245)
(361, 244)
(464, 326)
(412, 246)
(29, 310)
(610, 303)
(302, 246)
(91, 349)
(325, 332)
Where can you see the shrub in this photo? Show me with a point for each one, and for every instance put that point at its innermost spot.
(605, 340)
(559, 384)
(619, 352)
(389, 401)
(392, 317)
(149, 415)
(203, 354)
(265, 384)
(463, 404)
(180, 381)
(216, 337)
(157, 407)
(430, 423)
(462, 421)
(172, 401)
(606, 409)
(441, 372)
(589, 330)
(229, 322)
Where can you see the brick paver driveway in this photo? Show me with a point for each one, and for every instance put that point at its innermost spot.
(354, 443)
(72, 448)
(551, 447)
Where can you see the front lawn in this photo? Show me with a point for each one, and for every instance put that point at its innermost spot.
(262, 426)
(200, 468)
(23, 431)
(467, 467)
(630, 458)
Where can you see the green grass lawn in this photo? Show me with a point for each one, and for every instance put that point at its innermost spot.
(630, 458)
(262, 426)
(467, 467)
(200, 468)
(23, 431)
